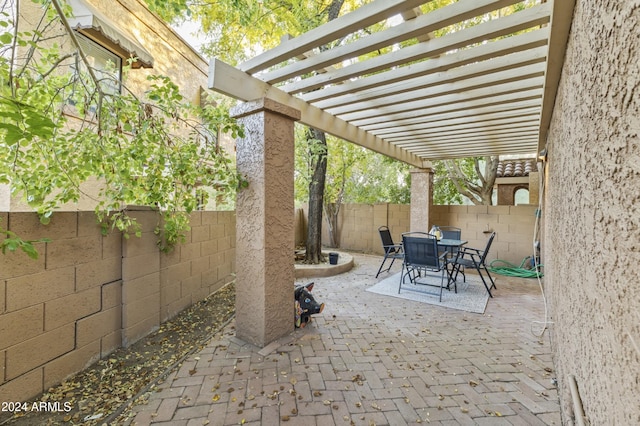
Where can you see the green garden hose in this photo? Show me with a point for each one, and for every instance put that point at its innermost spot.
(511, 270)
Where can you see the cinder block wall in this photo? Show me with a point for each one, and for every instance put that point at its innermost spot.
(514, 226)
(62, 311)
(356, 220)
(201, 266)
(88, 294)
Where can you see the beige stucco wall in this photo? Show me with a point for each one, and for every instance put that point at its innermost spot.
(592, 214)
(173, 57)
(265, 227)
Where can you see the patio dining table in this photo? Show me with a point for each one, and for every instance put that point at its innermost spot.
(450, 245)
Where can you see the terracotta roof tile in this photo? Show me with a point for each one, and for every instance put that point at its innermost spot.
(515, 168)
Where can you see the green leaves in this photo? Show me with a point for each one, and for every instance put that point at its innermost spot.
(12, 242)
(354, 174)
(472, 178)
(20, 121)
(152, 149)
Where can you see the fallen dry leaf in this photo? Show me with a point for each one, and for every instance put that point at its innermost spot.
(110, 383)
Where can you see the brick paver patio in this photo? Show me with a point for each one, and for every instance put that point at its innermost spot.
(374, 360)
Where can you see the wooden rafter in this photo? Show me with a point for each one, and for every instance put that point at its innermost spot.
(486, 89)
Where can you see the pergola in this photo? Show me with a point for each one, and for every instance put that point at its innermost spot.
(427, 87)
(488, 89)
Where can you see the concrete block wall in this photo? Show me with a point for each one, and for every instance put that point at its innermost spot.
(88, 294)
(514, 226)
(356, 221)
(61, 312)
(358, 225)
(140, 280)
(202, 265)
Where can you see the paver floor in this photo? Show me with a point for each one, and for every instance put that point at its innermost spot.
(374, 360)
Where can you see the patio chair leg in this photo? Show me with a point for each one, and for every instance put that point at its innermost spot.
(450, 279)
(493, 283)
(456, 268)
(485, 283)
(393, 259)
(442, 283)
(402, 275)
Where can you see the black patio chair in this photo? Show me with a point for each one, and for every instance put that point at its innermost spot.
(475, 258)
(391, 251)
(420, 257)
(452, 233)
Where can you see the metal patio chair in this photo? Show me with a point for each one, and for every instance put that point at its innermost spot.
(420, 257)
(452, 233)
(475, 258)
(391, 250)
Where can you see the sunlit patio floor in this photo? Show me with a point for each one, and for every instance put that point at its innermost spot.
(370, 359)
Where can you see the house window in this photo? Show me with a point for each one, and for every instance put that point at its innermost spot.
(106, 65)
(521, 196)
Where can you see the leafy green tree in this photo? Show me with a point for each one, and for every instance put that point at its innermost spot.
(377, 178)
(354, 175)
(239, 29)
(444, 191)
(340, 180)
(473, 178)
(60, 128)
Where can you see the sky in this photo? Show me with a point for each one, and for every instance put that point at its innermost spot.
(187, 31)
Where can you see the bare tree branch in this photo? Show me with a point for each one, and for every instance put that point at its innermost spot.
(478, 188)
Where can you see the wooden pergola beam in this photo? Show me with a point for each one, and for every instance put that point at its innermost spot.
(477, 114)
(363, 17)
(491, 72)
(230, 81)
(494, 82)
(423, 24)
(482, 53)
(491, 120)
(487, 80)
(528, 18)
(561, 18)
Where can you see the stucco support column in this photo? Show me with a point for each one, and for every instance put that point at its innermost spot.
(421, 199)
(264, 222)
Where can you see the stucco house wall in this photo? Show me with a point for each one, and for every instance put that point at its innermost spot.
(173, 58)
(592, 215)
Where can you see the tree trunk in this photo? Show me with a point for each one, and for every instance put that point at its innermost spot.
(313, 253)
(316, 186)
(332, 210)
(479, 189)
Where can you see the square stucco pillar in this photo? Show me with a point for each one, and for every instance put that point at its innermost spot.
(264, 222)
(421, 199)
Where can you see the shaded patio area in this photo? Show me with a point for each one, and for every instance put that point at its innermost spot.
(372, 359)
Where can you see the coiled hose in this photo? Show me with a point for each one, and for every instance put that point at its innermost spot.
(511, 270)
